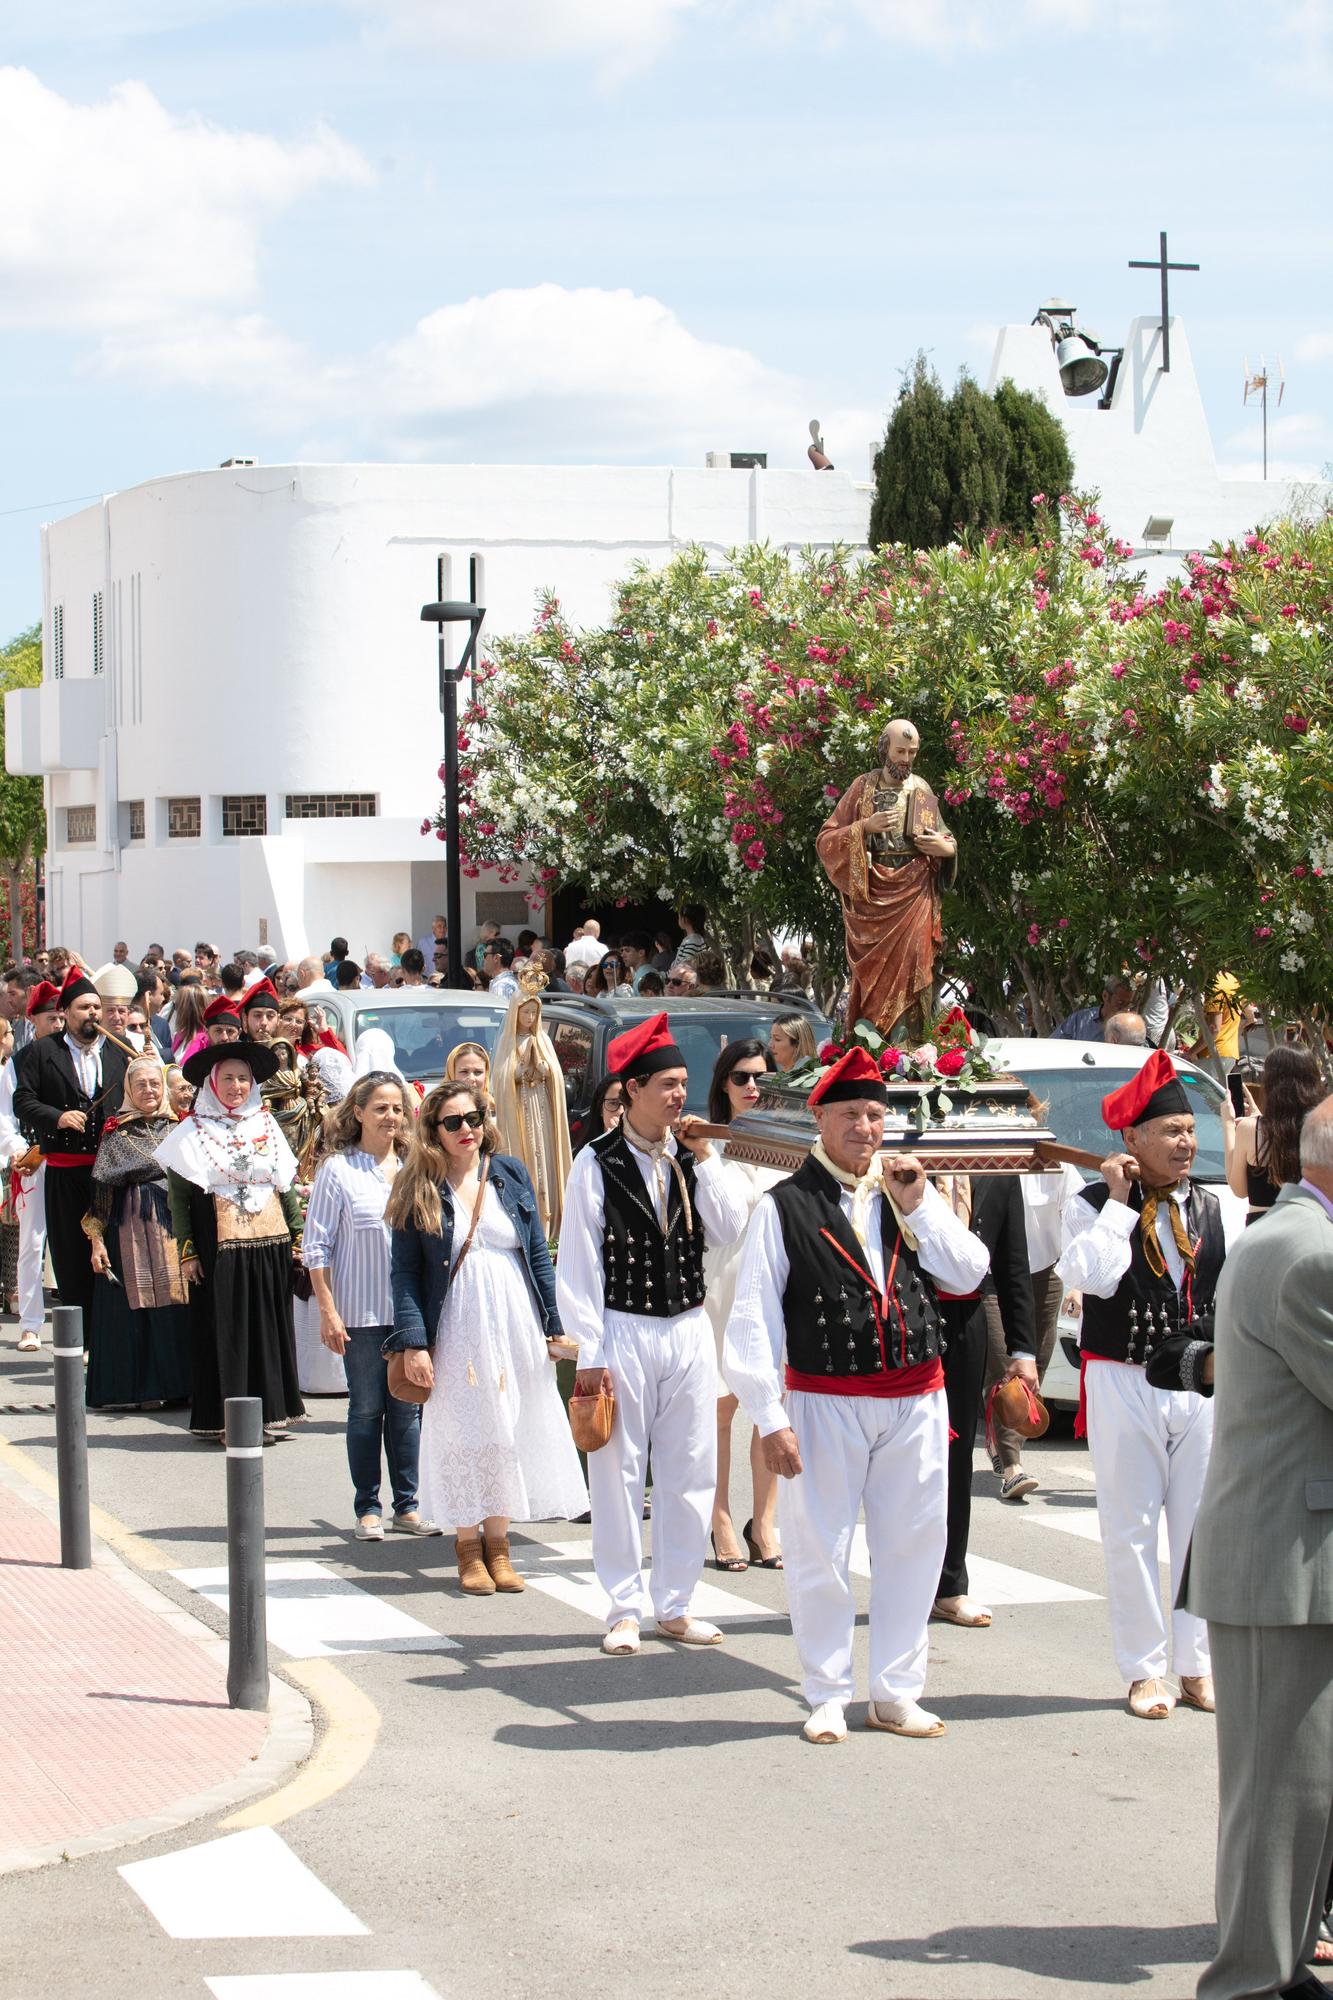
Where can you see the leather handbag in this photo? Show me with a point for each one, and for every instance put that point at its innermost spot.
(1016, 1406)
(399, 1386)
(591, 1418)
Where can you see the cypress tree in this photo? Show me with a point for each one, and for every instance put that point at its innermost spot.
(978, 459)
(1039, 460)
(913, 500)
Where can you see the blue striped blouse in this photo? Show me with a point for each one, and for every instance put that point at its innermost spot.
(345, 1231)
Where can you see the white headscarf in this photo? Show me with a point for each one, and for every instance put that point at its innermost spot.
(241, 1156)
(375, 1051)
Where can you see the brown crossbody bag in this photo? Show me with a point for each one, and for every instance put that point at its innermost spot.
(399, 1386)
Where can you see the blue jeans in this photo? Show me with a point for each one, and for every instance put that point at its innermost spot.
(373, 1414)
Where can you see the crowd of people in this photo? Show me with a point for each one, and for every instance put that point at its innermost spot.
(205, 1161)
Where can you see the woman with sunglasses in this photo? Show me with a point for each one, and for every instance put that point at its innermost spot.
(737, 1076)
(475, 1315)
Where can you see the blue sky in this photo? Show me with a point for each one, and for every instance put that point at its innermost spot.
(622, 230)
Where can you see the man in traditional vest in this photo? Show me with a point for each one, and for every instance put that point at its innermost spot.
(1146, 1249)
(840, 1270)
(642, 1204)
(29, 1183)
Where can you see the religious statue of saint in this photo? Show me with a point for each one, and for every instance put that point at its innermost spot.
(528, 1086)
(888, 854)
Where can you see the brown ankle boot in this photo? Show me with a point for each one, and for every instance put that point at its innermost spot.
(473, 1575)
(502, 1572)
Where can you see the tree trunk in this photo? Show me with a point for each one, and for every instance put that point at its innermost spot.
(14, 886)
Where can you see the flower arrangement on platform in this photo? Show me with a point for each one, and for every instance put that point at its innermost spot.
(956, 1058)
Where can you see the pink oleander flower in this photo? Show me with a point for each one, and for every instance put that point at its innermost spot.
(1034, 933)
(1262, 931)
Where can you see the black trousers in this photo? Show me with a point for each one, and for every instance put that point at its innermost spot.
(964, 1374)
(69, 1195)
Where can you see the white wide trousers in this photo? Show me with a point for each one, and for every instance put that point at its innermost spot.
(890, 1456)
(1149, 1451)
(664, 1372)
(30, 1204)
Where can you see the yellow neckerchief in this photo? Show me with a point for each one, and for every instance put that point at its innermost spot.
(1152, 1248)
(863, 1193)
(657, 1150)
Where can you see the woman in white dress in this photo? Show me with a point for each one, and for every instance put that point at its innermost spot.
(530, 1103)
(475, 1314)
(737, 1075)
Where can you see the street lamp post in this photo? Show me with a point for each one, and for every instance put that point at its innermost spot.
(441, 613)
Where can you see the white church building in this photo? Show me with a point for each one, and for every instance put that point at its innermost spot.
(239, 723)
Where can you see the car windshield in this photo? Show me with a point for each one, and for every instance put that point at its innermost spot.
(1074, 1110)
(423, 1036)
(702, 1036)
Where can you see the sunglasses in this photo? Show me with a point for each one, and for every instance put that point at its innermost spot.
(675, 982)
(747, 1076)
(454, 1121)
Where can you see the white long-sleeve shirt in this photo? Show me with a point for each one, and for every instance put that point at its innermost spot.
(1097, 1245)
(12, 1142)
(720, 1199)
(756, 1332)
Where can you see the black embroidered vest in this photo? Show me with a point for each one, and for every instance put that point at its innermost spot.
(1144, 1308)
(835, 1324)
(646, 1269)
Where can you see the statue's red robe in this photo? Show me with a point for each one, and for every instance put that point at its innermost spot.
(891, 915)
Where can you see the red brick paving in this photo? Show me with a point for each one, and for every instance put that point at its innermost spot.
(107, 1712)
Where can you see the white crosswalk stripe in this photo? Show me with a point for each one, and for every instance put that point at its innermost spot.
(563, 1570)
(245, 1885)
(320, 1986)
(1080, 1521)
(993, 1583)
(312, 1613)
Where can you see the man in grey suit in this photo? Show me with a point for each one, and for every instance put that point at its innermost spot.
(1261, 1573)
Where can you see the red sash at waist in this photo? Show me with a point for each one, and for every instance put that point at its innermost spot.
(69, 1159)
(1081, 1419)
(957, 1298)
(918, 1381)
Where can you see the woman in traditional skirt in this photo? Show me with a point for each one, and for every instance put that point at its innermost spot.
(237, 1223)
(139, 1347)
(473, 1287)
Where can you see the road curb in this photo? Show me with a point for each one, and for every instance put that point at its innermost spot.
(291, 1716)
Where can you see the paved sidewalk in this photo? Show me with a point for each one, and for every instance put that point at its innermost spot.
(114, 1722)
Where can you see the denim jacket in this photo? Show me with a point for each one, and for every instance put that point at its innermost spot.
(419, 1265)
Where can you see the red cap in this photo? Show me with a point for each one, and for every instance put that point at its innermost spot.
(262, 993)
(644, 1050)
(222, 1008)
(853, 1075)
(1156, 1092)
(44, 998)
(77, 983)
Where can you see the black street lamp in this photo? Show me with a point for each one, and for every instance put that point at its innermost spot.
(452, 612)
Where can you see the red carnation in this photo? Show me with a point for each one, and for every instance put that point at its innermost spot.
(832, 1052)
(951, 1061)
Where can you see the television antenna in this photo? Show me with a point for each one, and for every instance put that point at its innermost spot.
(1259, 385)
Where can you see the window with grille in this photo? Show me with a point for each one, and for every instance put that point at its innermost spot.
(184, 821)
(57, 642)
(80, 824)
(243, 813)
(138, 824)
(331, 805)
(99, 654)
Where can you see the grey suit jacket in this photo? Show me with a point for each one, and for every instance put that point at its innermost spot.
(1263, 1543)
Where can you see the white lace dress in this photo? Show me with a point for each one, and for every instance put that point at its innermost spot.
(494, 1435)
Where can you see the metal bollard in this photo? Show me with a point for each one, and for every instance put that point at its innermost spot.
(76, 1541)
(247, 1637)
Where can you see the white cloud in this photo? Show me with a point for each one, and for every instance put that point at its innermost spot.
(119, 216)
(1300, 444)
(1315, 347)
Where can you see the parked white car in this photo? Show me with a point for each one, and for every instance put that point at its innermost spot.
(1071, 1079)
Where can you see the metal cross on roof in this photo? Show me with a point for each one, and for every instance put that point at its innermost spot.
(1162, 263)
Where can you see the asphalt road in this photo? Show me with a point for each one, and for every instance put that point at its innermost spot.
(537, 1819)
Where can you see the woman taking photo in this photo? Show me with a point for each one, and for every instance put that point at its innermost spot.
(475, 1316)
(791, 1039)
(237, 1224)
(345, 1250)
(737, 1076)
(1262, 1149)
(139, 1347)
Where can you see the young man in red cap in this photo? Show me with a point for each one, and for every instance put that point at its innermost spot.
(840, 1270)
(1146, 1250)
(70, 1086)
(642, 1203)
(43, 1014)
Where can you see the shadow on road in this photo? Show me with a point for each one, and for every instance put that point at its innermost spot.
(1098, 1954)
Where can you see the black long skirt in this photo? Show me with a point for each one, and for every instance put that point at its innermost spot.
(241, 1335)
(135, 1355)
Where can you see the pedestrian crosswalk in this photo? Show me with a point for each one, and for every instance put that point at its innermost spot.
(313, 1613)
(994, 1583)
